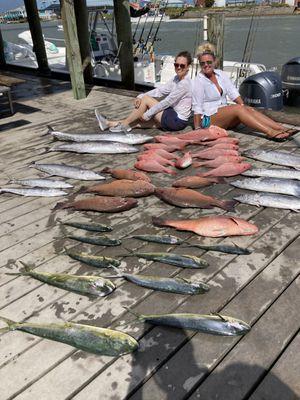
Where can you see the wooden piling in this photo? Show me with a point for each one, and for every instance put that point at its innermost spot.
(37, 35)
(72, 48)
(81, 14)
(2, 56)
(216, 35)
(124, 36)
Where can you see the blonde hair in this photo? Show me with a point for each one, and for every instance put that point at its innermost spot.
(206, 48)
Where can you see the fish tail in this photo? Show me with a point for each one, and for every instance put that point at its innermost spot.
(11, 325)
(229, 205)
(119, 274)
(27, 268)
(106, 170)
(219, 179)
(158, 221)
(138, 316)
(61, 205)
(50, 129)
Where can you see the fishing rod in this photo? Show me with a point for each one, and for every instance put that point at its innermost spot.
(151, 28)
(158, 26)
(136, 28)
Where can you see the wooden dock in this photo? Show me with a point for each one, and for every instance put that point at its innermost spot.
(261, 288)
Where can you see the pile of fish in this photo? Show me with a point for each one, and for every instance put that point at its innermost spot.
(278, 188)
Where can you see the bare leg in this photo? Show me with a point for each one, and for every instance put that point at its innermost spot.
(266, 120)
(231, 116)
(134, 117)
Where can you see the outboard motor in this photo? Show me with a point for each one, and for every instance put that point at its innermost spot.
(262, 90)
(290, 76)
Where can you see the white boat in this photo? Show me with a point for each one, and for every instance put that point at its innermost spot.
(150, 19)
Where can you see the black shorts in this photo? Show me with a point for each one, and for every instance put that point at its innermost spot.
(171, 122)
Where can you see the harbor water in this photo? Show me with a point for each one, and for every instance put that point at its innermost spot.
(276, 37)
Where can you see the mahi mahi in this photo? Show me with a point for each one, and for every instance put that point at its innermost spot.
(89, 338)
(183, 261)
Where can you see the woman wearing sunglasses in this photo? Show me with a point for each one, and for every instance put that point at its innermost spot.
(171, 113)
(210, 91)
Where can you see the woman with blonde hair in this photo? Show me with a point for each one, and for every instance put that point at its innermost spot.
(211, 88)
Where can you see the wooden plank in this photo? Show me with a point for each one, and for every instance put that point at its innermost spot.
(285, 118)
(282, 381)
(37, 35)
(250, 359)
(72, 49)
(10, 80)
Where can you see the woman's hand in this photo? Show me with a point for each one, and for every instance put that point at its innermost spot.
(137, 102)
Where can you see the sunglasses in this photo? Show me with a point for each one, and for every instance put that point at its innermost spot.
(182, 66)
(202, 63)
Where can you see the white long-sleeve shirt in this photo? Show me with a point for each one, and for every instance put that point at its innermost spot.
(177, 94)
(207, 98)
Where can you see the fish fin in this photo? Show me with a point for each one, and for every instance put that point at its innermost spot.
(219, 315)
(296, 211)
(61, 205)
(82, 189)
(10, 324)
(50, 129)
(229, 205)
(234, 220)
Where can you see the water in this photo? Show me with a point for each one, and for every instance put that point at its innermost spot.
(276, 39)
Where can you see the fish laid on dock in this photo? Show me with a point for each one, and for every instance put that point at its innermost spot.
(34, 192)
(123, 188)
(226, 169)
(99, 240)
(93, 261)
(273, 173)
(68, 171)
(42, 182)
(129, 174)
(95, 148)
(270, 185)
(100, 204)
(222, 248)
(270, 200)
(166, 284)
(102, 341)
(87, 285)
(189, 198)
(127, 138)
(215, 323)
(165, 239)
(183, 261)
(274, 157)
(211, 226)
(194, 182)
(92, 227)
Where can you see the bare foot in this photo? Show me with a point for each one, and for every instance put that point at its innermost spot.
(274, 134)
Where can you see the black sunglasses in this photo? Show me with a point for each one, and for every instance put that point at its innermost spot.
(182, 66)
(202, 63)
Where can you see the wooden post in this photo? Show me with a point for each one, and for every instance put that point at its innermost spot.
(216, 35)
(124, 35)
(2, 56)
(37, 35)
(81, 14)
(72, 48)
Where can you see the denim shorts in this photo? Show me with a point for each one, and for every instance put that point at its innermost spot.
(171, 122)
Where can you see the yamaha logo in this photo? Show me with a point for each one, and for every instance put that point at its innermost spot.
(273, 96)
(252, 101)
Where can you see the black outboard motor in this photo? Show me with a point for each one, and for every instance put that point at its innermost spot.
(290, 76)
(263, 90)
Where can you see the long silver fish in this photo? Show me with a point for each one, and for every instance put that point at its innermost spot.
(89, 338)
(127, 138)
(68, 171)
(273, 173)
(270, 200)
(165, 284)
(270, 185)
(216, 324)
(47, 183)
(95, 148)
(274, 157)
(36, 192)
